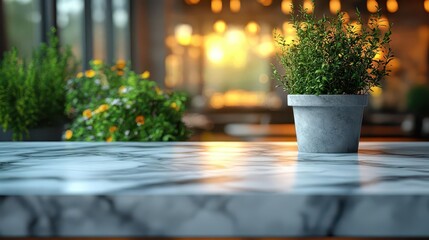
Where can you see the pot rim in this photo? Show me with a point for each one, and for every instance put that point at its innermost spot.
(345, 100)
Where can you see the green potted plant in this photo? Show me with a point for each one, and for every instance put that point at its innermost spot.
(116, 104)
(418, 105)
(327, 72)
(32, 93)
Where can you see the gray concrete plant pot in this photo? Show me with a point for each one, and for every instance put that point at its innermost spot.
(328, 123)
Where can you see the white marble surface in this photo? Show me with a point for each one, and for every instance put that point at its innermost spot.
(212, 189)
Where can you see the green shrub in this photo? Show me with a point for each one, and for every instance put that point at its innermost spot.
(32, 94)
(330, 56)
(116, 104)
(418, 100)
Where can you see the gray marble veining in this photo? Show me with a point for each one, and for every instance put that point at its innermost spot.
(234, 189)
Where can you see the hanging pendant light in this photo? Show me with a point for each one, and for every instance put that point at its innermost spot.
(216, 6)
(426, 5)
(265, 3)
(372, 6)
(334, 6)
(308, 6)
(192, 2)
(392, 6)
(287, 6)
(234, 5)
(219, 26)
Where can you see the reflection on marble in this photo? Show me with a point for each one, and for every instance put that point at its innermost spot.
(212, 189)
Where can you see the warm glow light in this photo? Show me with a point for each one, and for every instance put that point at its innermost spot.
(426, 5)
(243, 98)
(383, 23)
(289, 32)
(170, 41)
(288, 29)
(183, 34)
(265, 3)
(216, 101)
(173, 76)
(265, 49)
(252, 27)
(346, 17)
(303, 26)
(334, 6)
(216, 6)
(356, 27)
(215, 54)
(219, 26)
(228, 50)
(194, 53)
(394, 65)
(191, 2)
(235, 37)
(376, 91)
(236, 97)
(287, 6)
(372, 6)
(235, 5)
(379, 55)
(308, 6)
(392, 6)
(372, 22)
(196, 40)
(222, 155)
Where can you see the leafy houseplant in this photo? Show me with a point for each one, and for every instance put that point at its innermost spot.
(116, 104)
(418, 105)
(32, 93)
(327, 72)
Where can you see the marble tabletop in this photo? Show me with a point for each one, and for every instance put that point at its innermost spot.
(200, 189)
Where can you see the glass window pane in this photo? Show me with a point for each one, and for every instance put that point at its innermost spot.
(99, 30)
(22, 18)
(121, 26)
(69, 17)
(229, 64)
(237, 68)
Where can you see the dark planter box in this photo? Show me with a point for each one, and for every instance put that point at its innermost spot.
(53, 133)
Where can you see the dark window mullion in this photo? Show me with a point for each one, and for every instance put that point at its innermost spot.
(48, 13)
(132, 35)
(87, 46)
(128, 36)
(3, 37)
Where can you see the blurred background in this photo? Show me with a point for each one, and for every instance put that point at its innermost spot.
(221, 53)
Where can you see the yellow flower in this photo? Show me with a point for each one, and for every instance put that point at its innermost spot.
(145, 75)
(109, 139)
(102, 108)
(87, 113)
(140, 120)
(122, 89)
(174, 106)
(69, 134)
(120, 64)
(158, 91)
(90, 73)
(79, 75)
(97, 62)
(120, 72)
(113, 129)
